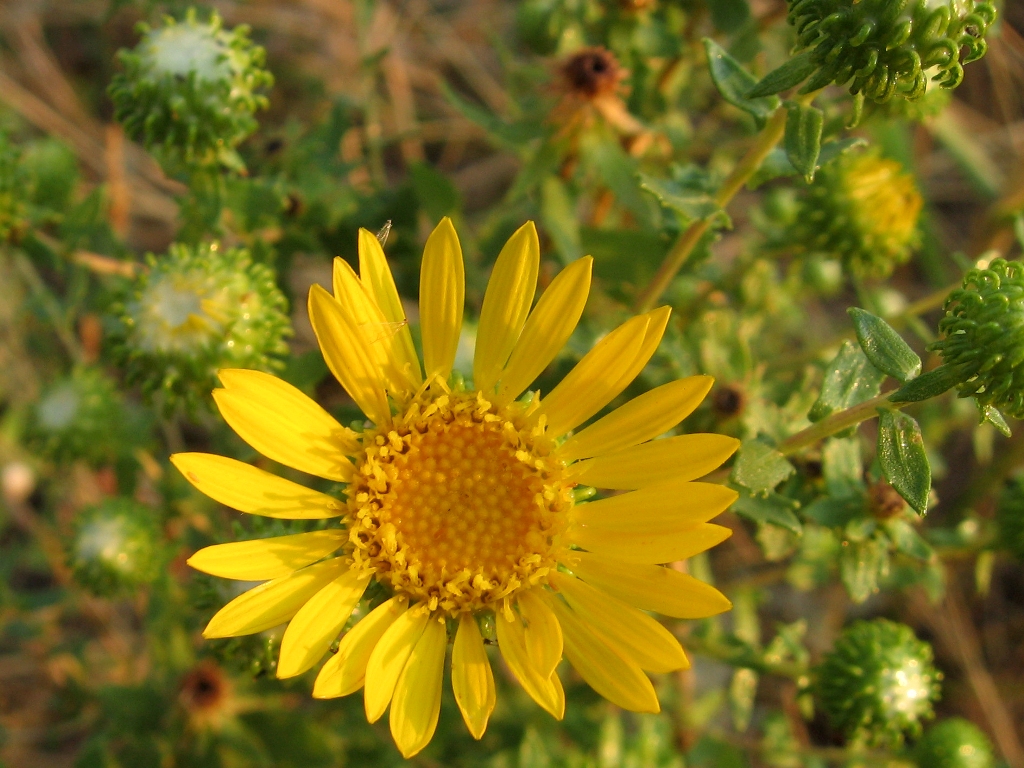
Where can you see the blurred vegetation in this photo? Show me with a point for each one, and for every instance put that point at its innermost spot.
(164, 210)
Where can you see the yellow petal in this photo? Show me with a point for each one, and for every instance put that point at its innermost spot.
(262, 559)
(506, 304)
(650, 587)
(442, 295)
(378, 335)
(655, 330)
(345, 671)
(248, 489)
(275, 602)
(375, 274)
(651, 546)
(664, 507)
(542, 635)
(547, 329)
(388, 659)
(512, 642)
(594, 381)
(347, 355)
(283, 424)
(642, 418)
(313, 629)
(630, 632)
(684, 457)
(417, 701)
(618, 679)
(472, 679)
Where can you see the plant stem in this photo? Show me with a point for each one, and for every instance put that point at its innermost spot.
(50, 305)
(837, 422)
(770, 135)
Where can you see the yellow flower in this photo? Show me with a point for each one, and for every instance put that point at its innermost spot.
(460, 503)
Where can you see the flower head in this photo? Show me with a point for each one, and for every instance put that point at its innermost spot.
(955, 743)
(863, 209)
(983, 336)
(885, 49)
(115, 547)
(459, 501)
(190, 88)
(878, 682)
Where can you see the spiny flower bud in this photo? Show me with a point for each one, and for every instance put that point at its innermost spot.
(954, 743)
(878, 683)
(983, 336)
(862, 209)
(189, 90)
(80, 417)
(115, 547)
(1010, 518)
(890, 48)
(196, 310)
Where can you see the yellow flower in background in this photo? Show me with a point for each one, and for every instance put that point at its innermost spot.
(460, 502)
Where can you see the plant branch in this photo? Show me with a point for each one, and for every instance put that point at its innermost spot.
(837, 422)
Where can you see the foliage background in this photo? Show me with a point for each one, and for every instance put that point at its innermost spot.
(408, 111)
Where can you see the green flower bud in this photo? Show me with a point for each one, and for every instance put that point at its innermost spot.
(197, 310)
(80, 417)
(189, 90)
(115, 547)
(954, 743)
(862, 209)
(890, 48)
(878, 682)
(1010, 518)
(983, 336)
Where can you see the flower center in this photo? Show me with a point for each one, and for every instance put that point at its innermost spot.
(458, 504)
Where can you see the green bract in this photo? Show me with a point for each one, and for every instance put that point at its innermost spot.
(199, 309)
(890, 48)
(983, 336)
(115, 547)
(954, 743)
(862, 209)
(189, 90)
(878, 683)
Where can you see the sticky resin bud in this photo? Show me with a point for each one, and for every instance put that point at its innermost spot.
(189, 90)
(115, 547)
(81, 417)
(1010, 518)
(954, 743)
(196, 310)
(862, 209)
(878, 683)
(983, 336)
(886, 49)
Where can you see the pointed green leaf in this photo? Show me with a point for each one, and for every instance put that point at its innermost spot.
(772, 508)
(803, 137)
(907, 540)
(990, 414)
(885, 348)
(850, 379)
(793, 72)
(861, 566)
(760, 467)
(927, 385)
(903, 459)
(691, 204)
(777, 164)
(733, 82)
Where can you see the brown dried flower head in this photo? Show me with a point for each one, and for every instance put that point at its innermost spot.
(206, 695)
(591, 73)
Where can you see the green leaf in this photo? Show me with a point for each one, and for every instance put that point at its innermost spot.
(558, 215)
(733, 82)
(435, 192)
(907, 540)
(793, 72)
(990, 414)
(927, 385)
(841, 466)
(691, 204)
(803, 137)
(759, 467)
(861, 566)
(772, 508)
(850, 379)
(619, 171)
(885, 348)
(833, 150)
(511, 135)
(834, 512)
(729, 15)
(777, 164)
(903, 459)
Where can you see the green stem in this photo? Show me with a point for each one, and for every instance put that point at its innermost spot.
(835, 423)
(50, 304)
(770, 135)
